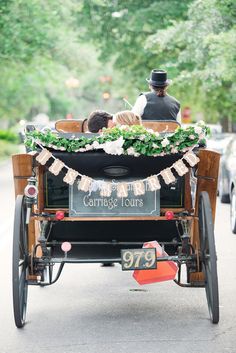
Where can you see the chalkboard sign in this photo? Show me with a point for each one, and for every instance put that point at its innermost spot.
(93, 205)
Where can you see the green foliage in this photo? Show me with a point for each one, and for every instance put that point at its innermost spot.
(39, 51)
(43, 43)
(9, 136)
(7, 149)
(137, 140)
(120, 28)
(202, 51)
(193, 40)
(28, 28)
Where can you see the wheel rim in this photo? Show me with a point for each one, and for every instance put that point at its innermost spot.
(20, 263)
(208, 256)
(233, 211)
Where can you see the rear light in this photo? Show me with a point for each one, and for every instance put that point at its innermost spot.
(31, 191)
(59, 215)
(169, 215)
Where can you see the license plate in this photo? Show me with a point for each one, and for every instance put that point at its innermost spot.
(138, 259)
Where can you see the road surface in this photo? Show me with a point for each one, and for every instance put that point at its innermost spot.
(98, 309)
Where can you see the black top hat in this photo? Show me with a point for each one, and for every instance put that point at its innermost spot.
(158, 78)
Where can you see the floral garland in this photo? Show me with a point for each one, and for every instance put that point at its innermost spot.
(88, 184)
(128, 140)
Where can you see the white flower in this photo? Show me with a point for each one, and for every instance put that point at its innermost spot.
(165, 142)
(131, 151)
(136, 154)
(114, 147)
(88, 147)
(154, 145)
(201, 122)
(82, 149)
(201, 136)
(150, 131)
(156, 133)
(198, 130)
(96, 145)
(141, 137)
(174, 150)
(191, 137)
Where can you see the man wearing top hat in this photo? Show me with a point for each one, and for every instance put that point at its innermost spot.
(157, 104)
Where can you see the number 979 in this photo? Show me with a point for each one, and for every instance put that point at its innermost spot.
(139, 259)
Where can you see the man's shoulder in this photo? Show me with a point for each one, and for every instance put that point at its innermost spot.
(173, 99)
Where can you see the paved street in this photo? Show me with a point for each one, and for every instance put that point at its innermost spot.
(93, 309)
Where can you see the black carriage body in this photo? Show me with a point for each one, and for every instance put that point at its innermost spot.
(187, 240)
(99, 165)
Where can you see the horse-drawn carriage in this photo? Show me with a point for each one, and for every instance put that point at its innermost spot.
(84, 198)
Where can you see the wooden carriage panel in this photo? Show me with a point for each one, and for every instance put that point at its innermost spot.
(207, 180)
(69, 126)
(74, 126)
(22, 165)
(161, 126)
(207, 177)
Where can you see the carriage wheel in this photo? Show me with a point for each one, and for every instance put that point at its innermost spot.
(208, 252)
(20, 262)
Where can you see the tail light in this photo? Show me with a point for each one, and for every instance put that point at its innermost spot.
(59, 215)
(31, 191)
(169, 215)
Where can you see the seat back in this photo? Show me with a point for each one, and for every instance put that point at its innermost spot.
(161, 126)
(73, 126)
(69, 126)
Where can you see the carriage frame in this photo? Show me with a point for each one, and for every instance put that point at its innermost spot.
(36, 252)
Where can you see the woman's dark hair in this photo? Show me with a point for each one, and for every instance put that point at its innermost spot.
(98, 120)
(160, 91)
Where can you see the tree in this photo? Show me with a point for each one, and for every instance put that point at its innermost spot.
(120, 28)
(205, 59)
(39, 51)
(193, 40)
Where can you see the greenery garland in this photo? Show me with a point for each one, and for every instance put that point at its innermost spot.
(136, 140)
